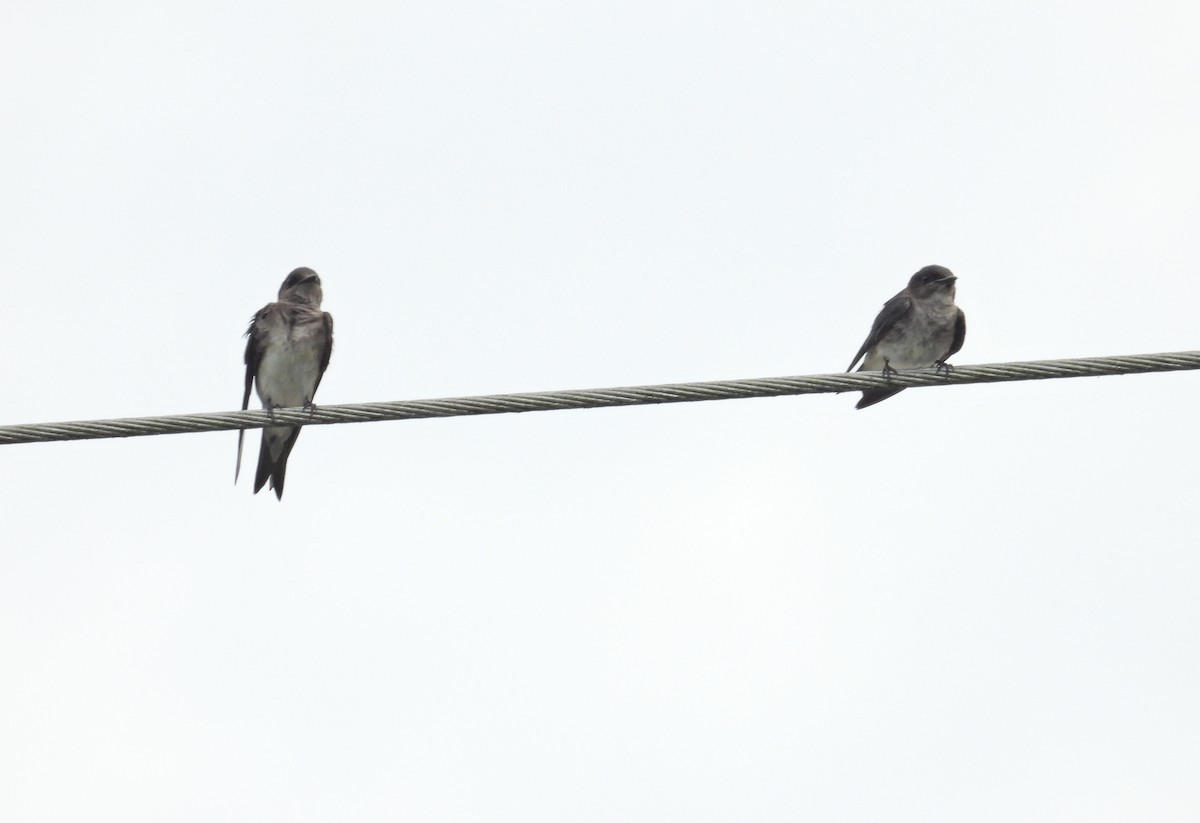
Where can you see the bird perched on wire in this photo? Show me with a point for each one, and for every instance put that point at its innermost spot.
(918, 328)
(287, 350)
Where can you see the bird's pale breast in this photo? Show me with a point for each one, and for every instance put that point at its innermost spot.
(291, 364)
(917, 341)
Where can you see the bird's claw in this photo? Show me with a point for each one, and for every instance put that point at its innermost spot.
(310, 407)
(943, 368)
(888, 371)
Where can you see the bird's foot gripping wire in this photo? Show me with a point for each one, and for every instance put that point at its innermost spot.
(943, 368)
(311, 408)
(888, 371)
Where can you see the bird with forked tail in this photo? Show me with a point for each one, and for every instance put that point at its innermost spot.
(287, 350)
(918, 328)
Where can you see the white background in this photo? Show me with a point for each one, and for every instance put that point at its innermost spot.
(968, 603)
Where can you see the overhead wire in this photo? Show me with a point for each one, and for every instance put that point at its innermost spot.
(601, 398)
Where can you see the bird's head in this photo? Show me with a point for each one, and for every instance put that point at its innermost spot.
(302, 286)
(933, 281)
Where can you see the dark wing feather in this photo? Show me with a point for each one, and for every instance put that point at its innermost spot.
(892, 311)
(328, 351)
(252, 357)
(281, 464)
(872, 396)
(274, 470)
(960, 334)
(265, 466)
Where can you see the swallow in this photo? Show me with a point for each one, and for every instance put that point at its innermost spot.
(287, 350)
(918, 328)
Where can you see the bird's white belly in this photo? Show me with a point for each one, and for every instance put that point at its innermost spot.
(916, 343)
(288, 373)
(911, 352)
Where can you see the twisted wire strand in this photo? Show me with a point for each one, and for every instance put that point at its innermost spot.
(601, 398)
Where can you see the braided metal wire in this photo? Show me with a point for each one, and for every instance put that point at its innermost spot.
(601, 398)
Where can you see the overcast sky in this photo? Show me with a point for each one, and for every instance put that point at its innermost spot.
(966, 603)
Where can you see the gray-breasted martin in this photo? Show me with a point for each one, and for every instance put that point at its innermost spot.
(286, 354)
(918, 328)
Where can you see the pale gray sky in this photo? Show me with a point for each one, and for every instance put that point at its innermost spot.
(971, 603)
